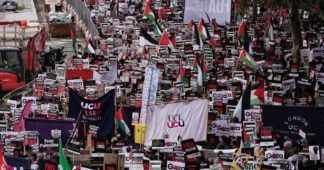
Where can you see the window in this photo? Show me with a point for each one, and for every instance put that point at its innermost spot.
(12, 59)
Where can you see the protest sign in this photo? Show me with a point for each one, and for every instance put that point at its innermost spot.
(275, 155)
(45, 127)
(314, 153)
(190, 147)
(266, 136)
(223, 128)
(171, 165)
(252, 114)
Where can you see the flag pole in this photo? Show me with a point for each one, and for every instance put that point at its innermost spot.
(77, 123)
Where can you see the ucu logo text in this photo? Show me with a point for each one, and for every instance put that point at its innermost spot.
(175, 121)
(90, 106)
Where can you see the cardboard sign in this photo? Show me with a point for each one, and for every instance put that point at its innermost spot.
(172, 165)
(252, 114)
(227, 129)
(158, 143)
(76, 84)
(314, 153)
(134, 160)
(190, 147)
(266, 136)
(275, 155)
(221, 95)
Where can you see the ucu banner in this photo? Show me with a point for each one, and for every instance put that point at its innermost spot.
(99, 113)
(288, 121)
(184, 120)
(91, 109)
(175, 121)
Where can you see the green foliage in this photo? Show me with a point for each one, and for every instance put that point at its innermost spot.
(243, 6)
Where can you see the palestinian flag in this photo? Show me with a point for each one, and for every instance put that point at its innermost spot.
(195, 68)
(247, 60)
(257, 94)
(151, 16)
(174, 40)
(149, 13)
(173, 4)
(181, 72)
(197, 37)
(165, 41)
(90, 47)
(241, 31)
(202, 30)
(190, 25)
(203, 68)
(115, 10)
(147, 39)
(270, 32)
(73, 38)
(157, 29)
(121, 122)
(64, 164)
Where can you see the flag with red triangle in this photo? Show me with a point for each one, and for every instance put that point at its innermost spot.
(257, 94)
(202, 30)
(190, 25)
(121, 122)
(241, 31)
(151, 16)
(247, 60)
(165, 41)
(174, 40)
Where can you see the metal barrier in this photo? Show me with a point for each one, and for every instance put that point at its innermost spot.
(84, 15)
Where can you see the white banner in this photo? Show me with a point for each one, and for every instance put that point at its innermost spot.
(218, 9)
(186, 120)
(275, 155)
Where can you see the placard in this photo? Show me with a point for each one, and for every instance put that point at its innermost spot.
(190, 147)
(275, 155)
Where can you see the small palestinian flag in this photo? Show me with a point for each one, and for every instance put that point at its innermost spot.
(257, 94)
(72, 34)
(190, 25)
(151, 16)
(147, 39)
(121, 122)
(248, 60)
(115, 10)
(270, 32)
(203, 67)
(173, 4)
(241, 31)
(165, 41)
(202, 30)
(195, 68)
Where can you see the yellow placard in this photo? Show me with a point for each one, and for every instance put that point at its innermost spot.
(139, 133)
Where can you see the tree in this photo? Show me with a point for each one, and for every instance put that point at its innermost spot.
(315, 7)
